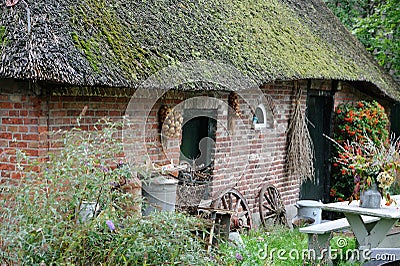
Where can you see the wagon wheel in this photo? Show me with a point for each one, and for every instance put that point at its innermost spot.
(271, 206)
(233, 201)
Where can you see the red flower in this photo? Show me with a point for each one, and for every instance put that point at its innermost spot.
(360, 104)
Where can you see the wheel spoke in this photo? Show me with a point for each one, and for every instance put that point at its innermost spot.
(270, 202)
(273, 196)
(271, 206)
(268, 207)
(228, 198)
(269, 212)
(269, 216)
(283, 219)
(224, 203)
(238, 205)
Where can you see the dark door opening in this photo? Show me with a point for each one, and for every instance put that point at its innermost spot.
(319, 115)
(395, 119)
(198, 137)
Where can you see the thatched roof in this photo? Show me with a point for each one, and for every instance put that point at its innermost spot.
(120, 43)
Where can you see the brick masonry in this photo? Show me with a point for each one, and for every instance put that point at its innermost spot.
(244, 158)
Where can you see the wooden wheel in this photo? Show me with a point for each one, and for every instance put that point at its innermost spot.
(233, 201)
(271, 206)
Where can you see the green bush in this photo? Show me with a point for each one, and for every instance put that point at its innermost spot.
(355, 122)
(41, 214)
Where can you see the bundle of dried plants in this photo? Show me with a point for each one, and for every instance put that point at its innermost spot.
(300, 160)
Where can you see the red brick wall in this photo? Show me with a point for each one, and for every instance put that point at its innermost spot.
(258, 155)
(27, 120)
(63, 111)
(244, 158)
(21, 126)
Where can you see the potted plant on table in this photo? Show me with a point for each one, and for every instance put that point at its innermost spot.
(372, 165)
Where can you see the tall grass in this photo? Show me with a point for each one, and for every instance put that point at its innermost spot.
(279, 246)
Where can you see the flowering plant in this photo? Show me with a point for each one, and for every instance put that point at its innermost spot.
(360, 120)
(354, 122)
(371, 163)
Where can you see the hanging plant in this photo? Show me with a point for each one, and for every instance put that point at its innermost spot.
(300, 160)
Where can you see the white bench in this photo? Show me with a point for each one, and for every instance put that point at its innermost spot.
(319, 235)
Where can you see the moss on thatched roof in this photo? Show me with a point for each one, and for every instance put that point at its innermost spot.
(120, 43)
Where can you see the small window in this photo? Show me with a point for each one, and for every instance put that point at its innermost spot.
(260, 120)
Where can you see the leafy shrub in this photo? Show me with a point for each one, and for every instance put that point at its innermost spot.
(356, 122)
(42, 214)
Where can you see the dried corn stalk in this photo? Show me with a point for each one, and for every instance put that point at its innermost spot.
(300, 160)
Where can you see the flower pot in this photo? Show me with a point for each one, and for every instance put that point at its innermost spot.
(371, 198)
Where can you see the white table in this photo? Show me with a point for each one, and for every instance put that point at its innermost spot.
(370, 235)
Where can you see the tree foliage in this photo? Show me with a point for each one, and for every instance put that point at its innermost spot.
(377, 25)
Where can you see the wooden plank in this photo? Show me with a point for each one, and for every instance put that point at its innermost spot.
(334, 225)
(359, 229)
(326, 227)
(391, 212)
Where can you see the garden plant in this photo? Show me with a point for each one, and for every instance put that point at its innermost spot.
(45, 220)
(363, 124)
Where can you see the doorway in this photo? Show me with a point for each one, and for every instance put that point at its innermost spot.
(319, 115)
(198, 137)
(395, 119)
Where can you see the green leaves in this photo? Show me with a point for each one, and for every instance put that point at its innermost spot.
(357, 122)
(377, 25)
(42, 216)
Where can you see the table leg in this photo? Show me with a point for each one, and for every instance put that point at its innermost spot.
(380, 230)
(319, 247)
(369, 236)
